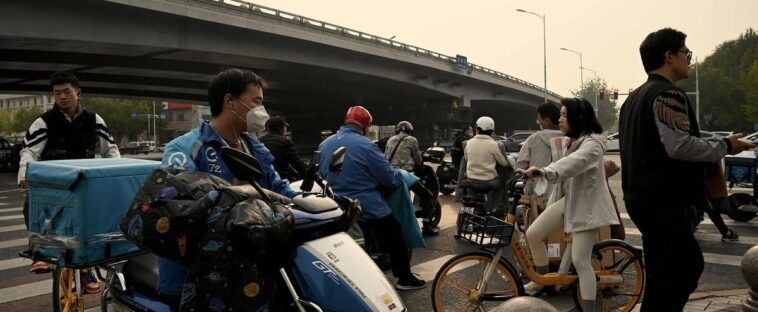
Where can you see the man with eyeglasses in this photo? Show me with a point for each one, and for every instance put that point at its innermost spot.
(663, 176)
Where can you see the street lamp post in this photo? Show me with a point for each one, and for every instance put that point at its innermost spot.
(544, 46)
(581, 73)
(597, 104)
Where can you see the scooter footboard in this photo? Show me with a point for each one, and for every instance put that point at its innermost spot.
(335, 273)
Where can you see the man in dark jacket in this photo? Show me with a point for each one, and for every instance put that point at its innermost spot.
(663, 176)
(456, 153)
(287, 160)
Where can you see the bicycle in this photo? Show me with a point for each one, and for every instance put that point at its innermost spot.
(481, 280)
(67, 289)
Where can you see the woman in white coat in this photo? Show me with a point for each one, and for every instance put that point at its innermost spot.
(581, 202)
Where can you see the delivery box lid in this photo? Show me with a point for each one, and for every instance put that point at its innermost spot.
(64, 174)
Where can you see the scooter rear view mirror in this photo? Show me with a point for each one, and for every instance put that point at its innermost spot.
(243, 166)
(338, 157)
(335, 165)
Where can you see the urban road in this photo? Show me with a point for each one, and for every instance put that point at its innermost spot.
(22, 291)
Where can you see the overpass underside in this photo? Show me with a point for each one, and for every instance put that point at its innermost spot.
(129, 52)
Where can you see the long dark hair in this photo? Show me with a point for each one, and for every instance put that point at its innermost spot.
(581, 117)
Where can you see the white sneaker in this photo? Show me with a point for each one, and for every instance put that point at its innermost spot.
(532, 288)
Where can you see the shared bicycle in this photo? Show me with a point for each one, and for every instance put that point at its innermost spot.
(481, 280)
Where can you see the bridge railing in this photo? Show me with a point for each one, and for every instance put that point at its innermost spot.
(248, 9)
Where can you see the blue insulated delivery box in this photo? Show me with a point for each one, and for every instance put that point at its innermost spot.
(741, 168)
(75, 207)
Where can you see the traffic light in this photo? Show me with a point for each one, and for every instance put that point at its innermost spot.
(601, 94)
(615, 93)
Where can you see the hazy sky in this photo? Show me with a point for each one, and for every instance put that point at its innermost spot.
(492, 34)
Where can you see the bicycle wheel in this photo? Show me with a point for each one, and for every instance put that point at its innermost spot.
(65, 298)
(620, 258)
(454, 287)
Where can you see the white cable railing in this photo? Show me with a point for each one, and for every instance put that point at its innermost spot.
(250, 10)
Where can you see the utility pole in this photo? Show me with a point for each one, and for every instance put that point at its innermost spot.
(155, 133)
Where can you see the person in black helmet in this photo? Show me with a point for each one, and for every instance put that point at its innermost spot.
(403, 152)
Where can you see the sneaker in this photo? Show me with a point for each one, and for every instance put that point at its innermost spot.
(39, 267)
(90, 282)
(730, 236)
(410, 283)
(533, 288)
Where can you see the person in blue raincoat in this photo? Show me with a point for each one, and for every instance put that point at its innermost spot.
(236, 100)
(366, 176)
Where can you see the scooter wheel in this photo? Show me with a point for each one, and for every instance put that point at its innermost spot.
(735, 201)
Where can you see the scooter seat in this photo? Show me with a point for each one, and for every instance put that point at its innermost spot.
(314, 203)
(478, 185)
(141, 276)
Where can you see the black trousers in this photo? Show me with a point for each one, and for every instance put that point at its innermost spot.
(426, 198)
(712, 209)
(387, 233)
(26, 212)
(673, 259)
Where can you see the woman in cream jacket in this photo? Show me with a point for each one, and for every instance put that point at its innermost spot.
(581, 201)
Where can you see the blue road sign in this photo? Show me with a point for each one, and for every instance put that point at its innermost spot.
(163, 116)
(134, 115)
(461, 61)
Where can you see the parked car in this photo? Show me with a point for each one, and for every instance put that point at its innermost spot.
(752, 137)
(136, 147)
(6, 154)
(723, 133)
(513, 143)
(612, 142)
(708, 134)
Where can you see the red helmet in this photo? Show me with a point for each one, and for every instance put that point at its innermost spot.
(358, 115)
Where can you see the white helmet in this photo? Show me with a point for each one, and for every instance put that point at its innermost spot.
(485, 123)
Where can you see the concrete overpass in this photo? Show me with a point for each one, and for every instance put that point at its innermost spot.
(169, 49)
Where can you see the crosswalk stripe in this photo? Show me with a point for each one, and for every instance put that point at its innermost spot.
(625, 216)
(703, 236)
(12, 190)
(11, 218)
(26, 291)
(722, 259)
(12, 228)
(3, 204)
(11, 209)
(14, 243)
(14, 263)
(428, 270)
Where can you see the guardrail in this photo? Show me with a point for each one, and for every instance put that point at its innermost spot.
(248, 9)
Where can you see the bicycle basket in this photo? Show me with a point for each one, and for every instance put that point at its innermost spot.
(487, 232)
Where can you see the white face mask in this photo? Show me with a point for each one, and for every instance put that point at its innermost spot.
(255, 118)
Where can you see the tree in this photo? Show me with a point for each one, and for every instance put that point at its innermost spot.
(607, 111)
(23, 118)
(749, 83)
(117, 115)
(6, 121)
(727, 85)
